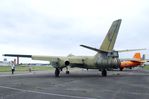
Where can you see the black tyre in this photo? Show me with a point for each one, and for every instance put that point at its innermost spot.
(67, 72)
(104, 73)
(57, 72)
(121, 69)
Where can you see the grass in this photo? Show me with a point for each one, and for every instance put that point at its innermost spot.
(35, 68)
(25, 68)
(146, 67)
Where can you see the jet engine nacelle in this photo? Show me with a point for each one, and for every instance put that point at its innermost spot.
(108, 63)
(60, 63)
(67, 63)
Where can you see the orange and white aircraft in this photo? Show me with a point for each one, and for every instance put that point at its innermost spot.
(134, 62)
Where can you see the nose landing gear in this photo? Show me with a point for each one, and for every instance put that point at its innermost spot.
(104, 73)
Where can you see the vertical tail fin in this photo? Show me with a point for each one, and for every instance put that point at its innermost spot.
(109, 41)
(137, 56)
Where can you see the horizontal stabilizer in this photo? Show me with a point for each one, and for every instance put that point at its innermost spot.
(94, 49)
(129, 50)
(120, 51)
(18, 55)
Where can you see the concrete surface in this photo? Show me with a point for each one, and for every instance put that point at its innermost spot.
(79, 84)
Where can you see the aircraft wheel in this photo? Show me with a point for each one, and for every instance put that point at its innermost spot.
(67, 72)
(104, 73)
(57, 72)
(121, 69)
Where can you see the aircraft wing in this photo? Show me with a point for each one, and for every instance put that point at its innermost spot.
(38, 57)
(73, 61)
(56, 61)
(35, 57)
(18, 55)
(46, 58)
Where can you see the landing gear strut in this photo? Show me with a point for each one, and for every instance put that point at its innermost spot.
(67, 72)
(104, 73)
(57, 72)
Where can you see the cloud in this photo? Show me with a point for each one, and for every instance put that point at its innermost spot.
(59, 27)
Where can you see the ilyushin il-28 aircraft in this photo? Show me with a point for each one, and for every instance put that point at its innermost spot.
(106, 58)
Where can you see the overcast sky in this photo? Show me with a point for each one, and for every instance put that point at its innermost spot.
(58, 27)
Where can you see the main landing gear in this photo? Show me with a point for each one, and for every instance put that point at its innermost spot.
(104, 73)
(67, 72)
(57, 72)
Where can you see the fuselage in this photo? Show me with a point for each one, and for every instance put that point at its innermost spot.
(127, 64)
(99, 61)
